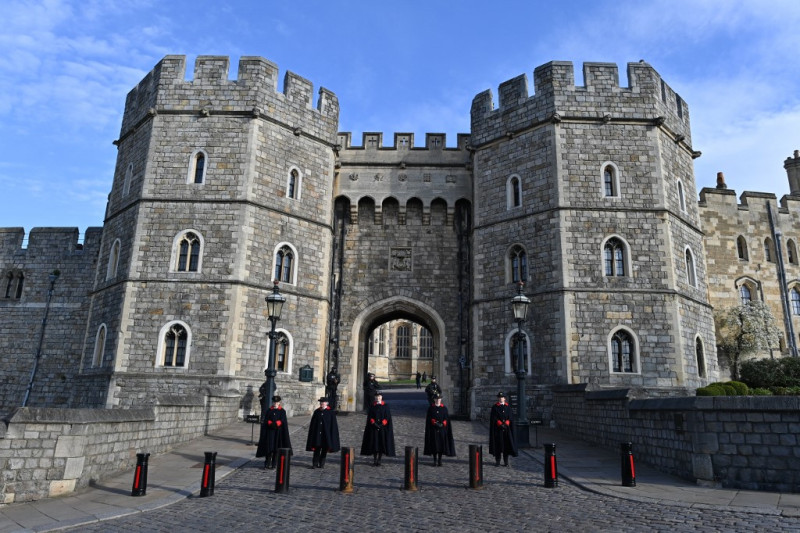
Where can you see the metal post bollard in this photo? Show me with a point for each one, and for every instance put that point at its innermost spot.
(140, 475)
(282, 470)
(209, 474)
(475, 466)
(626, 460)
(550, 466)
(410, 478)
(346, 470)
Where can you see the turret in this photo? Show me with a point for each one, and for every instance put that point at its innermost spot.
(792, 166)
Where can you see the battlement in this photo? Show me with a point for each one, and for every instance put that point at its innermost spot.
(403, 154)
(209, 92)
(43, 241)
(402, 141)
(601, 98)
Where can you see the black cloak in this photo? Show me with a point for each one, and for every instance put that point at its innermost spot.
(323, 431)
(274, 432)
(502, 439)
(431, 390)
(379, 432)
(438, 433)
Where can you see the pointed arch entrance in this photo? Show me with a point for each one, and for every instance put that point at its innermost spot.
(378, 313)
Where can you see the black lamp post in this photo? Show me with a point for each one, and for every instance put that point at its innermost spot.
(275, 303)
(519, 304)
(53, 277)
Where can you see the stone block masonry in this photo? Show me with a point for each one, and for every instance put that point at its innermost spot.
(46, 452)
(742, 442)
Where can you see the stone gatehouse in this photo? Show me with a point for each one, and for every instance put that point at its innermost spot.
(224, 185)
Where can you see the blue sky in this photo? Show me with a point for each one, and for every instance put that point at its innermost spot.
(409, 66)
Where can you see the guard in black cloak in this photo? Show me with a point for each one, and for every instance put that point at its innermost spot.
(370, 388)
(502, 440)
(331, 384)
(438, 432)
(432, 389)
(379, 433)
(263, 401)
(274, 433)
(323, 433)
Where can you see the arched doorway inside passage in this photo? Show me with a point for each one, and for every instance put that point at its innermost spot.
(396, 312)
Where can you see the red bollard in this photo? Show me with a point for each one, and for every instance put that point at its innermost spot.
(140, 475)
(410, 477)
(626, 460)
(282, 470)
(475, 466)
(550, 466)
(346, 470)
(209, 473)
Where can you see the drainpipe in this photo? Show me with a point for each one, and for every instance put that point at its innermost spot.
(787, 311)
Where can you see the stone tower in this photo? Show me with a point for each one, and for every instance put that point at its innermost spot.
(220, 187)
(585, 194)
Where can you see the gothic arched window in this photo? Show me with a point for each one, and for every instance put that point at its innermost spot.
(188, 253)
(701, 358)
(610, 181)
(425, 343)
(741, 248)
(284, 264)
(197, 170)
(293, 185)
(403, 341)
(614, 257)
(691, 275)
(175, 345)
(514, 192)
(795, 295)
(745, 295)
(518, 263)
(623, 353)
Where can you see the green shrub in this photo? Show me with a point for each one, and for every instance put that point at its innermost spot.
(766, 373)
(779, 391)
(760, 392)
(714, 389)
(763, 373)
(741, 388)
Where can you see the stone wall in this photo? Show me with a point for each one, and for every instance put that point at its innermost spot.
(746, 442)
(47, 452)
(47, 250)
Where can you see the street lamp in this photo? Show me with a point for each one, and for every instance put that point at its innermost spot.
(53, 277)
(275, 303)
(519, 304)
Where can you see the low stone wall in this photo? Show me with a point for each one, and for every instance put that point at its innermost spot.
(745, 442)
(47, 452)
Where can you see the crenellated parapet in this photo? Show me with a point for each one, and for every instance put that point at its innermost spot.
(404, 171)
(556, 98)
(254, 93)
(47, 241)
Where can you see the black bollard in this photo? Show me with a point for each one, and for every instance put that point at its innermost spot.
(475, 466)
(346, 470)
(628, 470)
(140, 475)
(209, 473)
(282, 470)
(410, 478)
(550, 466)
